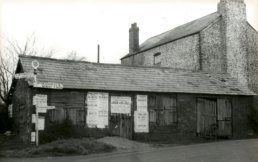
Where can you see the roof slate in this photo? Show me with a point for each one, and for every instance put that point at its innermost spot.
(114, 77)
(178, 32)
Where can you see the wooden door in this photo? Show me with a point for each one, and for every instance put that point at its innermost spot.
(126, 127)
(206, 117)
(121, 125)
(224, 118)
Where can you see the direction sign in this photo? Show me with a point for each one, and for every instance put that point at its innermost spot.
(49, 85)
(43, 109)
(23, 75)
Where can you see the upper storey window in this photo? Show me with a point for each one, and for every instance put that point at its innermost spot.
(157, 59)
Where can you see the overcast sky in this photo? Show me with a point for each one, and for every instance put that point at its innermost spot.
(79, 25)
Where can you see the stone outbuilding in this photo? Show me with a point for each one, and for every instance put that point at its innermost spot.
(197, 80)
(221, 42)
(130, 101)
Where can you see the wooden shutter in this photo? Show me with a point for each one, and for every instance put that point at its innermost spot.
(76, 115)
(152, 107)
(80, 117)
(153, 116)
(57, 115)
(169, 110)
(224, 118)
(72, 115)
(206, 116)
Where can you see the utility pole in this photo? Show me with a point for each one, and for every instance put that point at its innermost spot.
(98, 53)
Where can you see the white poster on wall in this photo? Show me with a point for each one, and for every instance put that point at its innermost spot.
(32, 136)
(41, 123)
(97, 112)
(141, 101)
(141, 121)
(121, 105)
(33, 118)
(92, 121)
(40, 100)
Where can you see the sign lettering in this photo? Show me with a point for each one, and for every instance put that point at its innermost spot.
(121, 105)
(23, 75)
(49, 85)
(141, 121)
(141, 101)
(97, 112)
(40, 100)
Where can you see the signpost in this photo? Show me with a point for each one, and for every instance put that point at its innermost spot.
(39, 100)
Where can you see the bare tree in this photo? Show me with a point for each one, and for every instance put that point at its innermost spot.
(9, 58)
(73, 55)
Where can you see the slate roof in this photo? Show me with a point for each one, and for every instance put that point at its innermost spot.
(178, 32)
(93, 76)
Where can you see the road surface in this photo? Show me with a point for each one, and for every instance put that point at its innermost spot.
(229, 151)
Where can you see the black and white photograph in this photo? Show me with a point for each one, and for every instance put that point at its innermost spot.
(129, 80)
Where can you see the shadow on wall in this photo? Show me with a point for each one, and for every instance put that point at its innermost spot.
(6, 123)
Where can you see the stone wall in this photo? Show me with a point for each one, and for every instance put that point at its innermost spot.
(186, 127)
(242, 126)
(234, 37)
(22, 107)
(182, 53)
(252, 59)
(212, 52)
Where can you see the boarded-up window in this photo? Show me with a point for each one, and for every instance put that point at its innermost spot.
(157, 59)
(206, 116)
(57, 115)
(162, 110)
(76, 116)
(153, 116)
(224, 118)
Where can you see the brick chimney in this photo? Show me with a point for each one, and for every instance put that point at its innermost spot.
(133, 38)
(233, 29)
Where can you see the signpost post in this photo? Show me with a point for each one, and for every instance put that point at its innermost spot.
(35, 65)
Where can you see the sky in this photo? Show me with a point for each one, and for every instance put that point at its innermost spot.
(80, 25)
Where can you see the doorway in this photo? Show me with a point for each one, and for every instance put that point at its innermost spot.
(121, 125)
(214, 118)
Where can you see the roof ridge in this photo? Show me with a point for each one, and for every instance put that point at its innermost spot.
(144, 46)
(181, 25)
(121, 65)
(49, 58)
(117, 77)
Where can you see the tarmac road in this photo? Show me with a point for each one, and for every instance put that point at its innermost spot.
(229, 151)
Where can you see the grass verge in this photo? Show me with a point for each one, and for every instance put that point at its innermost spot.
(82, 146)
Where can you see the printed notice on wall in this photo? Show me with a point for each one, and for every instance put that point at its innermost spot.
(141, 121)
(33, 118)
(121, 105)
(40, 100)
(97, 112)
(141, 101)
(32, 136)
(41, 123)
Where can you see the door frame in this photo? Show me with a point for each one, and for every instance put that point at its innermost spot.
(215, 99)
